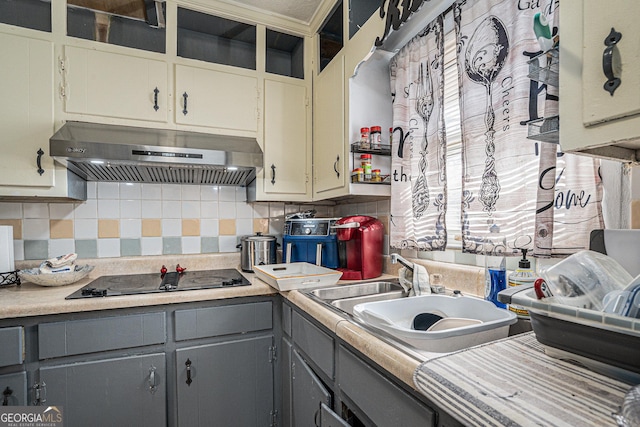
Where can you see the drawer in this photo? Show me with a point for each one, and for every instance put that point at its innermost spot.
(71, 337)
(223, 320)
(314, 343)
(377, 397)
(12, 350)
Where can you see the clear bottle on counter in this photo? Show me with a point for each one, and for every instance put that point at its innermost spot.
(365, 159)
(376, 137)
(524, 275)
(365, 142)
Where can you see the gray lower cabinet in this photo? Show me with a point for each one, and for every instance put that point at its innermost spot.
(378, 398)
(126, 391)
(229, 383)
(14, 389)
(307, 393)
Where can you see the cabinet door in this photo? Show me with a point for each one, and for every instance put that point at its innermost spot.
(26, 115)
(285, 355)
(114, 85)
(216, 99)
(127, 391)
(380, 400)
(287, 154)
(599, 19)
(308, 392)
(328, 418)
(227, 384)
(591, 120)
(329, 128)
(14, 389)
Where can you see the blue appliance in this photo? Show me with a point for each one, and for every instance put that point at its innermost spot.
(311, 240)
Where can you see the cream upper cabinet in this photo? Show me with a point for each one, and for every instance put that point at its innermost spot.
(216, 99)
(592, 119)
(287, 141)
(329, 149)
(109, 84)
(26, 115)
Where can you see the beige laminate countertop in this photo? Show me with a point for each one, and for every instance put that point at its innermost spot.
(33, 300)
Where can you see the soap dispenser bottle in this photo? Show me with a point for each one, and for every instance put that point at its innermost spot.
(522, 276)
(495, 265)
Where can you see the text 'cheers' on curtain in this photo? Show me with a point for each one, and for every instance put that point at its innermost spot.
(541, 199)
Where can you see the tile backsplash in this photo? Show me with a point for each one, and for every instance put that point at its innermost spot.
(125, 220)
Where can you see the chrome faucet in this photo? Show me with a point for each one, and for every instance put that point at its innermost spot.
(395, 258)
(406, 284)
(411, 284)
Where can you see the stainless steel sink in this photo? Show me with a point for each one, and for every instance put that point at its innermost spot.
(345, 297)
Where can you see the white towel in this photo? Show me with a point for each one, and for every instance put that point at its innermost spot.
(421, 285)
(416, 282)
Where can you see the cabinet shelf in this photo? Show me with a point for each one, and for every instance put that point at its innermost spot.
(384, 150)
(548, 73)
(546, 129)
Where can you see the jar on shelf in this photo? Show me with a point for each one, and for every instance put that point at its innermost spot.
(375, 175)
(365, 160)
(357, 175)
(376, 137)
(365, 143)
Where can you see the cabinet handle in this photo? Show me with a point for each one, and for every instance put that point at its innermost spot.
(188, 365)
(155, 99)
(184, 103)
(39, 161)
(6, 394)
(39, 393)
(610, 42)
(273, 174)
(335, 166)
(153, 386)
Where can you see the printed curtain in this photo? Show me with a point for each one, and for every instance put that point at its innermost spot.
(419, 194)
(541, 198)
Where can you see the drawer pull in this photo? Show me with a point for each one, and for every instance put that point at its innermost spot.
(610, 42)
(39, 161)
(155, 99)
(153, 386)
(5, 396)
(184, 103)
(188, 365)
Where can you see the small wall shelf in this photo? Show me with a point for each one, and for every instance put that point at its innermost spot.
(547, 72)
(384, 150)
(546, 129)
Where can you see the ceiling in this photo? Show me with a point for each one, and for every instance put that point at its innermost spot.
(299, 10)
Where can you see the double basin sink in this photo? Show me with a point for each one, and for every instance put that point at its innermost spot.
(386, 309)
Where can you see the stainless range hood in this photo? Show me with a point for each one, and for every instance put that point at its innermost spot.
(101, 152)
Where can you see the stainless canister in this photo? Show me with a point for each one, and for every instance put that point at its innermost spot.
(257, 249)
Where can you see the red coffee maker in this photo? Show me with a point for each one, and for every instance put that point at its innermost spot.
(360, 241)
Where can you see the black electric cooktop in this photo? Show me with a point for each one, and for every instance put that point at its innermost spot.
(107, 286)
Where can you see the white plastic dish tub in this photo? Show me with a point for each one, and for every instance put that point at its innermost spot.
(396, 317)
